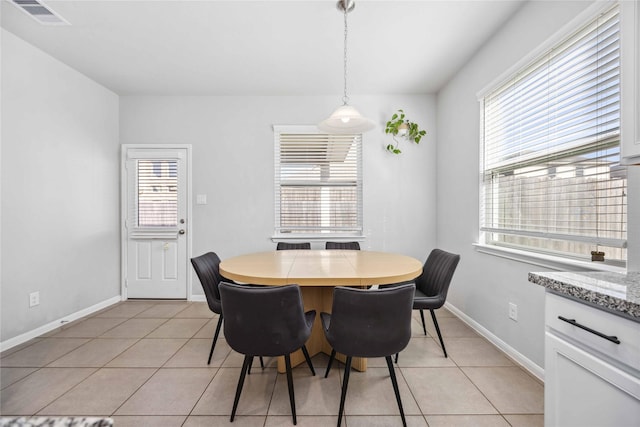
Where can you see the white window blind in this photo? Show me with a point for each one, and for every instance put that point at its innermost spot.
(551, 179)
(157, 204)
(318, 183)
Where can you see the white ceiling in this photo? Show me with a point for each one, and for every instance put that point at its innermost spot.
(267, 47)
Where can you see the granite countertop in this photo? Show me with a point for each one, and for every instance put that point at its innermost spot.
(615, 292)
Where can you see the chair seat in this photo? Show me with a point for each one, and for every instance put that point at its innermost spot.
(326, 320)
(421, 301)
(310, 317)
(215, 306)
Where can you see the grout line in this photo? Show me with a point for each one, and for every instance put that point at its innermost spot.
(201, 395)
(135, 391)
(400, 370)
(481, 392)
(67, 391)
(273, 392)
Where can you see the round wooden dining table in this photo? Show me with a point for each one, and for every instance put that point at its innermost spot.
(317, 272)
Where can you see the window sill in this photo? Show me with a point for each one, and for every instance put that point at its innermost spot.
(544, 260)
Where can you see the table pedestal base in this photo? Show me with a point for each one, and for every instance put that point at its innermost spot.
(320, 299)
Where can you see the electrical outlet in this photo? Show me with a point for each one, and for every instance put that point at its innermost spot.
(513, 312)
(34, 299)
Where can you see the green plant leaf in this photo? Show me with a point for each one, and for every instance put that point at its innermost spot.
(414, 133)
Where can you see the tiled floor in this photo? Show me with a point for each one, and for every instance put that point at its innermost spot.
(143, 363)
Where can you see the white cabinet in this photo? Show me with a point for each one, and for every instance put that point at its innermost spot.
(630, 57)
(590, 379)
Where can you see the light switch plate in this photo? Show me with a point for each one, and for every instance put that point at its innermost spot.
(201, 199)
(34, 299)
(513, 312)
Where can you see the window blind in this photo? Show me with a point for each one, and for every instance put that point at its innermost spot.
(157, 204)
(318, 183)
(551, 179)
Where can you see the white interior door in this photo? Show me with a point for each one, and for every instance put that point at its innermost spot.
(155, 226)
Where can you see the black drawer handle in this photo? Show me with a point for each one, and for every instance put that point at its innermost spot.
(611, 338)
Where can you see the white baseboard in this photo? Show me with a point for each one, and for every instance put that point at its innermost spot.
(12, 342)
(198, 298)
(518, 357)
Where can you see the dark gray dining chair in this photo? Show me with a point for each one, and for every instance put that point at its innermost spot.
(432, 286)
(354, 246)
(285, 246)
(266, 321)
(207, 268)
(369, 323)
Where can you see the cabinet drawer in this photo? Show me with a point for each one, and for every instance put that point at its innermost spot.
(582, 390)
(626, 354)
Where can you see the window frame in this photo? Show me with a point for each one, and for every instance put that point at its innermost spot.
(529, 254)
(357, 234)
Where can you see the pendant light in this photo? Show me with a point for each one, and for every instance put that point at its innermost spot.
(346, 119)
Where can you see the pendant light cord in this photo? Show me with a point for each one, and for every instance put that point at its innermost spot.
(345, 98)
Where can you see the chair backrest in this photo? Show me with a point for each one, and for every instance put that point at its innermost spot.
(355, 246)
(263, 321)
(285, 246)
(207, 268)
(437, 273)
(371, 323)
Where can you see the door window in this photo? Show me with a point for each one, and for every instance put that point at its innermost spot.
(157, 201)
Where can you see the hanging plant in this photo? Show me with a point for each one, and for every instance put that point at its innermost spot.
(399, 126)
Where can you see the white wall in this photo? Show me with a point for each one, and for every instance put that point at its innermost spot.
(60, 192)
(485, 284)
(233, 152)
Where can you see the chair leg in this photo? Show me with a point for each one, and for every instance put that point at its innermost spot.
(333, 356)
(392, 373)
(308, 359)
(245, 366)
(345, 383)
(397, 357)
(215, 338)
(424, 327)
(261, 365)
(435, 322)
(292, 398)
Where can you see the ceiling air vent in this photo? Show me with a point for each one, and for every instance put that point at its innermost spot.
(40, 12)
